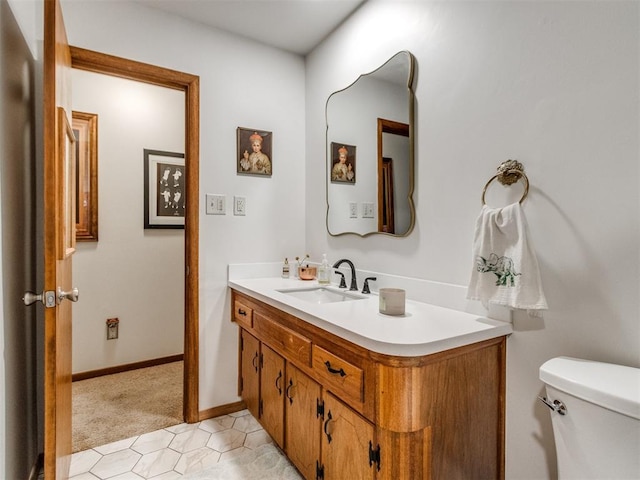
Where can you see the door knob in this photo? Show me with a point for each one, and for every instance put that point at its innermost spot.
(73, 295)
(47, 298)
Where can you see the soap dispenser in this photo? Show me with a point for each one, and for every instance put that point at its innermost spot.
(285, 268)
(324, 272)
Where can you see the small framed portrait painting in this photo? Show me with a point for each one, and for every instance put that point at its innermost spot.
(254, 152)
(343, 163)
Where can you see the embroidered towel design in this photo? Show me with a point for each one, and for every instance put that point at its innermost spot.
(505, 270)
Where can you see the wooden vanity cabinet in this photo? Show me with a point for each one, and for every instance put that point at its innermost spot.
(262, 384)
(250, 372)
(340, 411)
(324, 437)
(272, 394)
(303, 421)
(348, 449)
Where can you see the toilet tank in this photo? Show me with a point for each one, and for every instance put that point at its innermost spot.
(599, 435)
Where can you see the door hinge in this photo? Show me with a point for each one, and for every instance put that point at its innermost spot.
(374, 455)
(319, 409)
(319, 471)
(261, 360)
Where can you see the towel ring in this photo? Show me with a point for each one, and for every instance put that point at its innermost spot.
(509, 172)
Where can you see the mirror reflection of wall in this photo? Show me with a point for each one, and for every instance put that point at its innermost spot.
(364, 206)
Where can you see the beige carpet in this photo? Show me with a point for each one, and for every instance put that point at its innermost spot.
(123, 405)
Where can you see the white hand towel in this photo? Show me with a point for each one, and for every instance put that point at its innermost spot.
(506, 269)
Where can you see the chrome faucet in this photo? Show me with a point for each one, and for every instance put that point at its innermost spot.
(354, 283)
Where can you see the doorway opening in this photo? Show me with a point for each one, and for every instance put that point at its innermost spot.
(100, 63)
(393, 143)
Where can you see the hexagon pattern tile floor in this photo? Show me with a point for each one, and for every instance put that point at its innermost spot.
(173, 452)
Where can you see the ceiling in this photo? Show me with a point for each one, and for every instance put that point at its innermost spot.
(293, 25)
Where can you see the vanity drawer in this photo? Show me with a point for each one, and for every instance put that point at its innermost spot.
(242, 314)
(288, 343)
(335, 371)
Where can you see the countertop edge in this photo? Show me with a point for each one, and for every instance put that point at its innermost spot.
(498, 329)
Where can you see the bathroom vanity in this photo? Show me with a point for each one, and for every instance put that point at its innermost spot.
(347, 392)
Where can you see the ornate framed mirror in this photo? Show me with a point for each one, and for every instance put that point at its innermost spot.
(370, 152)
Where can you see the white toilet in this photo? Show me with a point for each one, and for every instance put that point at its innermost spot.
(596, 418)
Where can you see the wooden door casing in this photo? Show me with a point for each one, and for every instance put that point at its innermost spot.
(104, 64)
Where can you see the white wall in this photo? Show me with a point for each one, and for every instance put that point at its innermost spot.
(552, 84)
(242, 84)
(133, 274)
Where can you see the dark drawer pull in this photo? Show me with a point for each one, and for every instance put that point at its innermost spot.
(242, 312)
(340, 372)
(286, 392)
(278, 387)
(326, 427)
(255, 361)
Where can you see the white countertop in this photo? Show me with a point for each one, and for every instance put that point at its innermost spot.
(424, 329)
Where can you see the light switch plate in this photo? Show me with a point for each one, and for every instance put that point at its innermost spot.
(353, 210)
(239, 205)
(216, 204)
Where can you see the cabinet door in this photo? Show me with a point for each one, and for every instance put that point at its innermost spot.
(346, 438)
(272, 394)
(250, 368)
(303, 423)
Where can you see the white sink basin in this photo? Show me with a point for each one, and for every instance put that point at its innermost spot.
(321, 295)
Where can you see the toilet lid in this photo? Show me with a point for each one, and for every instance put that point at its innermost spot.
(616, 387)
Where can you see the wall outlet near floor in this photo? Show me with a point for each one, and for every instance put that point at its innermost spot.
(239, 205)
(216, 204)
(112, 328)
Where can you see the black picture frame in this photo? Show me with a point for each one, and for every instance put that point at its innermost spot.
(164, 189)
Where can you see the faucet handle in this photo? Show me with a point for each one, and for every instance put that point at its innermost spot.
(343, 283)
(365, 288)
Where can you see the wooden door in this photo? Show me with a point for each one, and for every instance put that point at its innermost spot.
(250, 368)
(59, 242)
(272, 394)
(346, 440)
(303, 422)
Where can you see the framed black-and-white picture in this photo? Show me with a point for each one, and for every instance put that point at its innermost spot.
(254, 152)
(343, 163)
(164, 189)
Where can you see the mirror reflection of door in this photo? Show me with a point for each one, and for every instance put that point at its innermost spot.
(393, 143)
(386, 221)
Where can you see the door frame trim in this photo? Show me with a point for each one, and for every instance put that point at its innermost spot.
(96, 62)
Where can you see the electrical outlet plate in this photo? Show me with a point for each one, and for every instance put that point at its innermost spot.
(216, 204)
(112, 331)
(367, 209)
(353, 210)
(239, 205)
